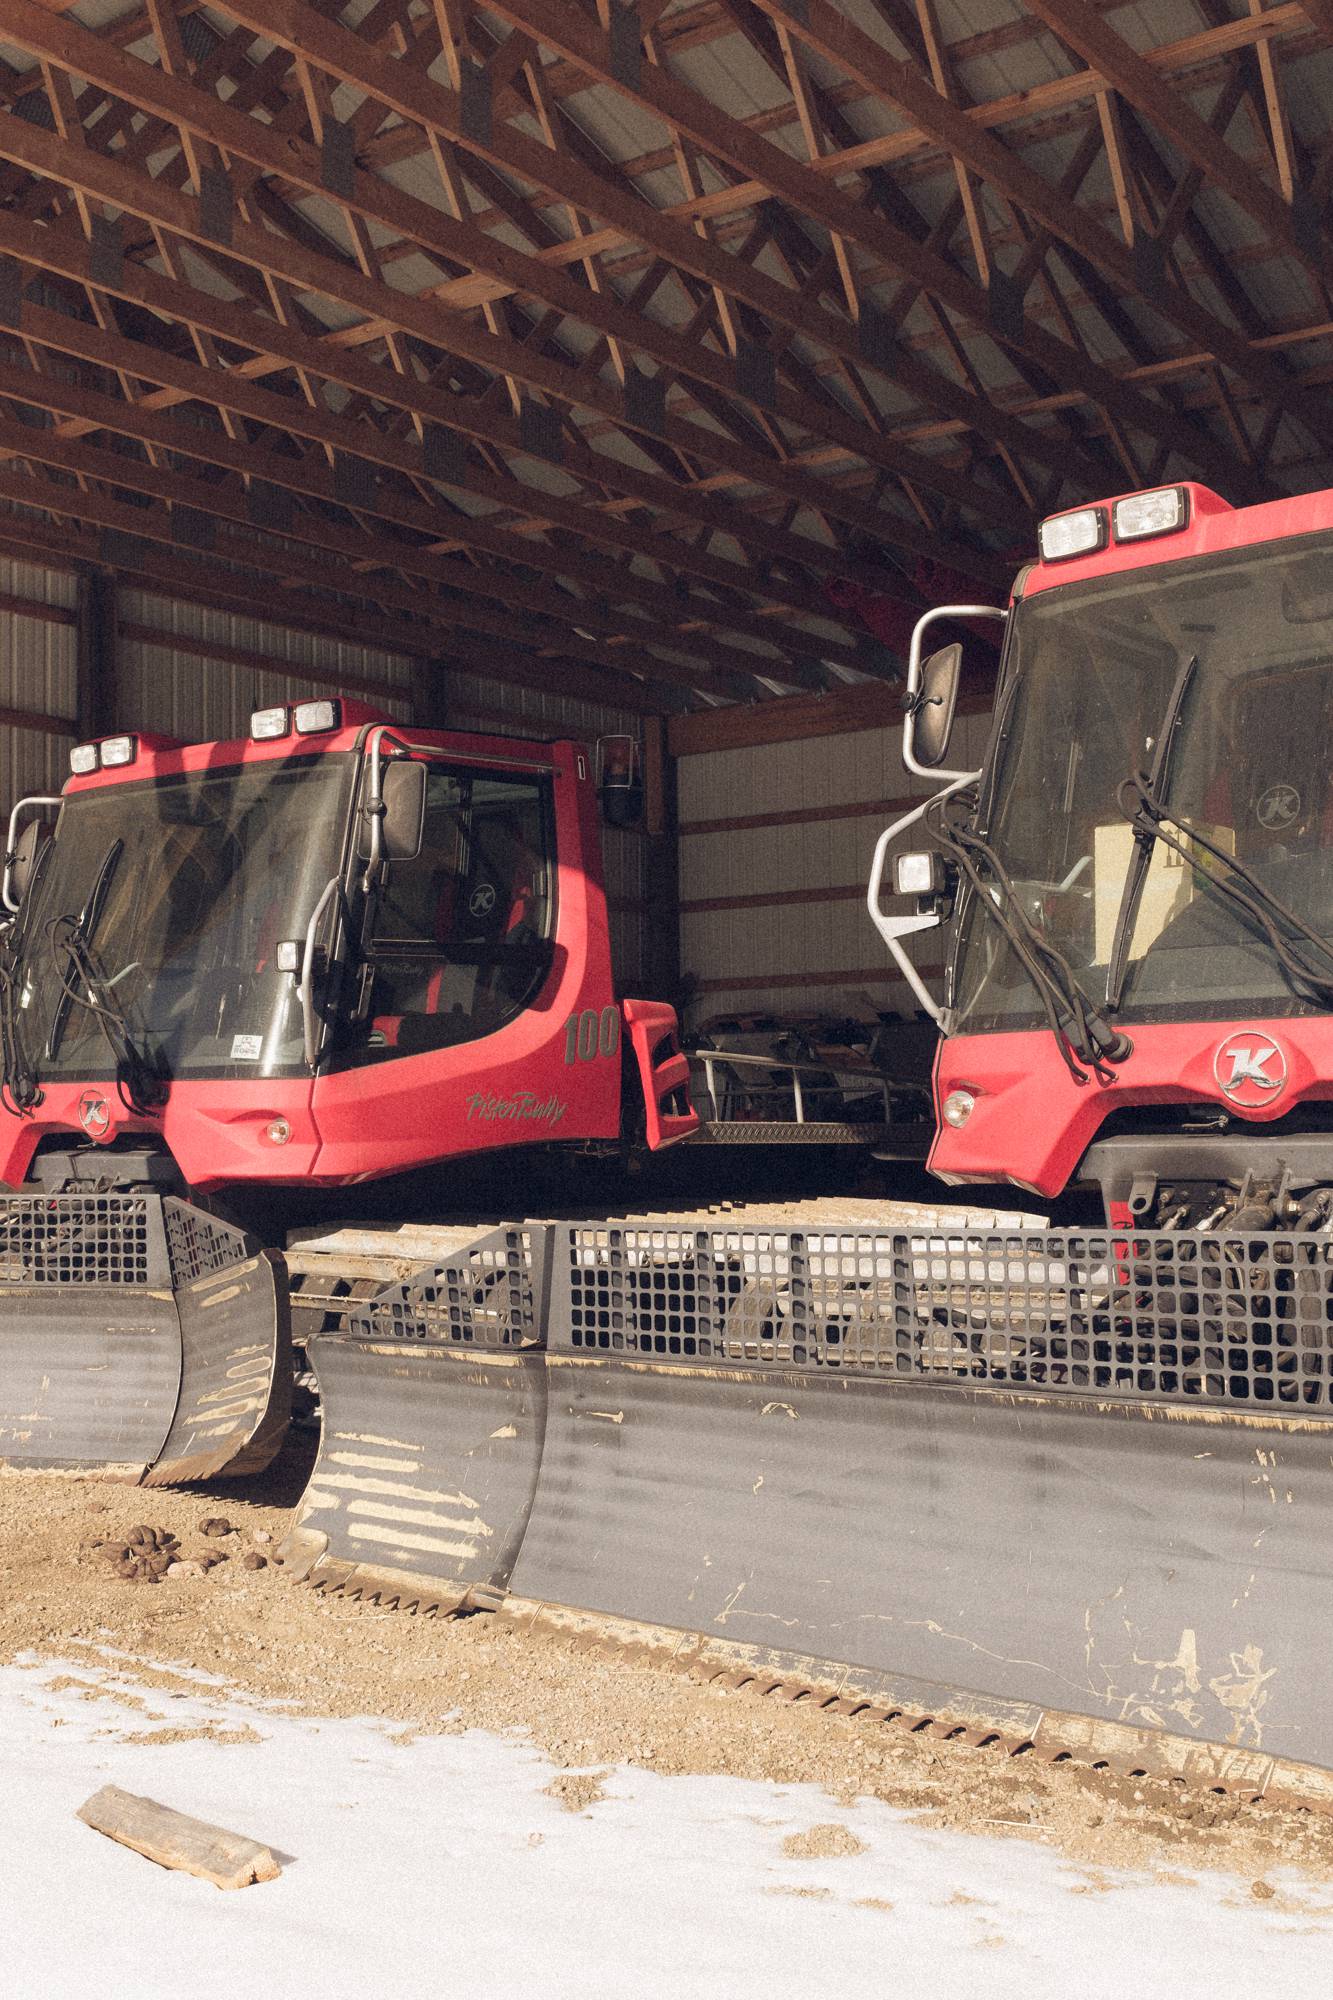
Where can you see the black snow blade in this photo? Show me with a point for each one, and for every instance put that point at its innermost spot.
(140, 1338)
(1073, 1487)
(433, 1409)
(1053, 1489)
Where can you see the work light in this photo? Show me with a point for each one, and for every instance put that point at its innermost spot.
(313, 715)
(1143, 514)
(1081, 533)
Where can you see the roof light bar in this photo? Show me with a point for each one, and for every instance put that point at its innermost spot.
(311, 716)
(266, 723)
(83, 759)
(1081, 533)
(1162, 512)
(117, 750)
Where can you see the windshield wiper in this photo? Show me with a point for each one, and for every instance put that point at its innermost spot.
(82, 926)
(1082, 1032)
(1145, 836)
(1293, 942)
(77, 967)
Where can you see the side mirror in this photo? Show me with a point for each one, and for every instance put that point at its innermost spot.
(403, 786)
(28, 852)
(932, 719)
(620, 780)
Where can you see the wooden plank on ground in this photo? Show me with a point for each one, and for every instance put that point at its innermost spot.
(174, 1840)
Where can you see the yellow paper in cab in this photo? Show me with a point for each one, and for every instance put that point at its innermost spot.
(1170, 884)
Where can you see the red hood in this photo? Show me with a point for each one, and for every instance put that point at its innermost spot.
(1032, 1123)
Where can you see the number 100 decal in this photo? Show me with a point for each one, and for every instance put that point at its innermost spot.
(589, 1035)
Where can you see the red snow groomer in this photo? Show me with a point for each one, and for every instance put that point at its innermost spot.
(1137, 1027)
(319, 957)
(240, 980)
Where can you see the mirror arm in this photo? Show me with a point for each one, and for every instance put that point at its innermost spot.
(374, 806)
(912, 693)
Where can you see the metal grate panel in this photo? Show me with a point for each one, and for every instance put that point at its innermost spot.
(488, 1295)
(200, 1244)
(81, 1239)
(1178, 1318)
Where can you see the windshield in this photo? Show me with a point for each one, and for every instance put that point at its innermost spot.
(1091, 676)
(186, 886)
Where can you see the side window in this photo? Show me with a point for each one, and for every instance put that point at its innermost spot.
(459, 939)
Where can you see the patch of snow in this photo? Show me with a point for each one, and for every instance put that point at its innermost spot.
(438, 1865)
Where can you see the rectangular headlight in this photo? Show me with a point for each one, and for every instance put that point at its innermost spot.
(266, 723)
(313, 715)
(1081, 533)
(83, 759)
(117, 750)
(1158, 513)
(919, 874)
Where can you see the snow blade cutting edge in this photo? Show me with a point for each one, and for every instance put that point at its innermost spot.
(1072, 1488)
(140, 1338)
(433, 1403)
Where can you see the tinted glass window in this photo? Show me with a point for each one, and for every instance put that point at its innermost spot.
(459, 939)
(1094, 667)
(184, 886)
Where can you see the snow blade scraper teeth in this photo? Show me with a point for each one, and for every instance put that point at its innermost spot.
(434, 1407)
(1071, 1487)
(140, 1338)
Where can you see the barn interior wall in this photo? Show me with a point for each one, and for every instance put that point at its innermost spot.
(38, 649)
(776, 845)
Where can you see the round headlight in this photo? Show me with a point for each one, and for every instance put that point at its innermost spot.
(958, 1107)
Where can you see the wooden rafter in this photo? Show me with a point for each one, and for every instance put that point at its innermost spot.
(377, 313)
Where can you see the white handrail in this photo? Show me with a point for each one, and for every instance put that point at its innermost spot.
(306, 987)
(893, 928)
(6, 884)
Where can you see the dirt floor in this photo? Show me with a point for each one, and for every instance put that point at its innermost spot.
(264, 1636)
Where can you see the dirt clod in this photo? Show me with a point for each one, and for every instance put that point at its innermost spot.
(216, 1524)
(253, 1560)
(1263, 1892)
(577, 1790)
(822, 1843)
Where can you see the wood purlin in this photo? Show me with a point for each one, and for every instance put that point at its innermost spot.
(273, 348)
(664, 554)
(420, 100)
(841, 42)
(105, 180)
(680, 107)
(189, 109)
(70, 542)
(227, 502)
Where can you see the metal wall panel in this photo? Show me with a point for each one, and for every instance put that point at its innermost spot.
(37, 675)
(190, 695)
(816, 952)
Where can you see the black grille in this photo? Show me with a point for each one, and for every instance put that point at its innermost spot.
(81, 1239)
(488, 1295)
(1181, 1318)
